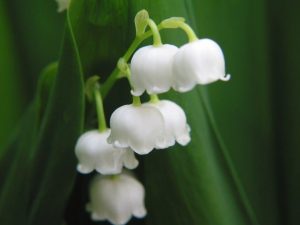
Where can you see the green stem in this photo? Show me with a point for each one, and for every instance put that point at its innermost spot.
(155, 32)
(113, 77)
(100, 111)
(189, 31)
(136, 101)
(114, 176)
(136, 42)
(154, 99)
(178, 22)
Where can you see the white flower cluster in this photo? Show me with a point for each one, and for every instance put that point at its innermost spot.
(148, 126)
(115, 195)
(142, 127)
(134, 128)
(156, 69)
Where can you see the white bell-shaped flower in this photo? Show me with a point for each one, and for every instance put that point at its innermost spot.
(63, 5)
(198, 62)
(151, 69)
(141, 128)
(116, 199)
(94, 153)
(176, 125)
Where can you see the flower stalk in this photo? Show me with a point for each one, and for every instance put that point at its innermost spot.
(154, 99)
(179, 22)
(155, 32)
(136, 101)
(100, 110)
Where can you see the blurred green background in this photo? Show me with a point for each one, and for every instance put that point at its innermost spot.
(256, 112)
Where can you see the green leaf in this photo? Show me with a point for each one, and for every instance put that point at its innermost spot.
(286, 107)
(37, 41)
(243, 106)
(99, 33)
(16, 158)
(54, 161)
(45, 84)
(14, 171)
(11, 96)
(194, 184)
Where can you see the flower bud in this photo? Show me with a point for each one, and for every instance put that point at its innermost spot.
(198, 62)
(151, 69)
(116, 198)
(176, 125)
(140, 21)
(94, 153)
(140, 127)
(63, 5)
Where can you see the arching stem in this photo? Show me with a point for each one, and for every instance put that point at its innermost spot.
(100, 110)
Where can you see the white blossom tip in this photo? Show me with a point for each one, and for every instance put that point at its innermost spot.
(83, 169)
(137, 92)
(165, 143)
(227, 77)
(132, 164)
(109, 171)
(62, 5)
(154, 90)
(140, 213)
(184, 140)
(183, 89)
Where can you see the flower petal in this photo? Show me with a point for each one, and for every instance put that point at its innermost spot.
(116, 198)
(151, 69)
(94, 153)
(175, 122)
(198, 62)
(141, 128)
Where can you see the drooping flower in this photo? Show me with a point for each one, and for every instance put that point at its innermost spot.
(151, 69)
(116, 198)
(176, 125)
(140, 127)
(94, 153)
(63, 5)
(198, 62)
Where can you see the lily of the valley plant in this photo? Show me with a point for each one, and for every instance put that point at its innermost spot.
(141, 127)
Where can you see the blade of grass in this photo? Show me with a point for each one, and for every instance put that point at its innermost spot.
(12, 97)
(242, 106)
(286, 107)
(54, 162)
